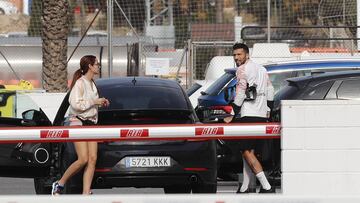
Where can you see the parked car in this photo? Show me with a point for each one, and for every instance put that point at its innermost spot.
(213, 70)
(214, 101)
(134, 101)
(342, 85)
(214, 105)
(7, 8)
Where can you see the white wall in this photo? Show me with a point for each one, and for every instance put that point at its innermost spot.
(320, 147)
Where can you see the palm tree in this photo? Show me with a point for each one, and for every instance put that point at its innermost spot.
(55, 30)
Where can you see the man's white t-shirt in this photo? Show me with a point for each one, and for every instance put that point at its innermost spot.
(253, 73)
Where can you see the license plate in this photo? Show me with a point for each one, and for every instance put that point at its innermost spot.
(151, 161)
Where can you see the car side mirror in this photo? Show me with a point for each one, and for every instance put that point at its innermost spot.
(29, 114)
(35, 117)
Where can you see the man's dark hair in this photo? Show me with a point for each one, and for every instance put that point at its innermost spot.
(241, 46)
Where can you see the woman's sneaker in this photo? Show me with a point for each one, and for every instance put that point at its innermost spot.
(57, 189)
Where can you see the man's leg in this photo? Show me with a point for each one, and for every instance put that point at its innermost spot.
(246, 177)
(256, 168)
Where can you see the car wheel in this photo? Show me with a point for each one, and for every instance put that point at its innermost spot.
(204, 188)
(41, 187)
(177, 189)
(2, 12)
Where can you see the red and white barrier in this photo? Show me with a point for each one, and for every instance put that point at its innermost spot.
(140, 132)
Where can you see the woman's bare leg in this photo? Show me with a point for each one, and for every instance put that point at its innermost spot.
(90, 167)
(83, 157)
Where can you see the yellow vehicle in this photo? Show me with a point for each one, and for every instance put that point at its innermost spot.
(8, 97)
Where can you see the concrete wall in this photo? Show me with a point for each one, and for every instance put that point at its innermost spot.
(320, 147)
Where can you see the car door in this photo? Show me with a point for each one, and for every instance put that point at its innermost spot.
(24, 159)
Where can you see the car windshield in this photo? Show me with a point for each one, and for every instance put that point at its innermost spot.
(215, 88)
(144, 97)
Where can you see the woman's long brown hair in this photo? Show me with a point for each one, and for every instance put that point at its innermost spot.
(85, 61)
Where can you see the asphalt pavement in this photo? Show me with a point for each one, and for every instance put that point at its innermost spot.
(22, 186)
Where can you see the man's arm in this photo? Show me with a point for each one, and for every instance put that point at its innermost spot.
(270, 89)
(240, 86)
(270, 96)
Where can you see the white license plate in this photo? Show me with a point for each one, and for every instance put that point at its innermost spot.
(148, 161)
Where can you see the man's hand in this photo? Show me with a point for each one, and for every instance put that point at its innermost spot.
(235, 111)
(228, 119)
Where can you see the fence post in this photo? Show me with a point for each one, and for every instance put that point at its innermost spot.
(190, 64)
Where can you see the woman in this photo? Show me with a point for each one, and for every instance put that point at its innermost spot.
(84, 102)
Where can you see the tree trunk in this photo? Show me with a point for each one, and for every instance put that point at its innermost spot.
(55, 30)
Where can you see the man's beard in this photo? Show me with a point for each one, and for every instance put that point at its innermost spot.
(239, 63)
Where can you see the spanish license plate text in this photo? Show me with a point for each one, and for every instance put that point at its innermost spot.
(147, 162)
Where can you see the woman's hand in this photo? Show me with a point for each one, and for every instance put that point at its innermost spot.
(102, 102)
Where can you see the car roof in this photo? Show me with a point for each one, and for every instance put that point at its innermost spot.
(304, 64)
(319, 63)
(138, 81)
(302, 81)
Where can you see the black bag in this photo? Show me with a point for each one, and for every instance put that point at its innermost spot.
(250, 92)
(86, 122)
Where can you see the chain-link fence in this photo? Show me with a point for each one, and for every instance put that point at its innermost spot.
(161, 29)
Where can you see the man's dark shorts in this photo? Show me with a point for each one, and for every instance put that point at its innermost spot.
(249, 144)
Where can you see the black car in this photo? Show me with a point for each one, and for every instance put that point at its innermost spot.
(325, 86)
(190, 165)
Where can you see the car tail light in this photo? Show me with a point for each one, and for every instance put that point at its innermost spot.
(103, 170)
(216, 110)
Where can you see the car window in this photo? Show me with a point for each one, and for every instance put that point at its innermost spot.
(218, 85)
(317, 90)
(140, 97)
(287, 92)
(278, 79)
(349, 89)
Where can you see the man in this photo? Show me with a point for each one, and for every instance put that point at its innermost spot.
(253, 108)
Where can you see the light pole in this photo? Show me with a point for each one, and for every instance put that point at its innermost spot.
(358, 23)
(268, 19)
(109, 35)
